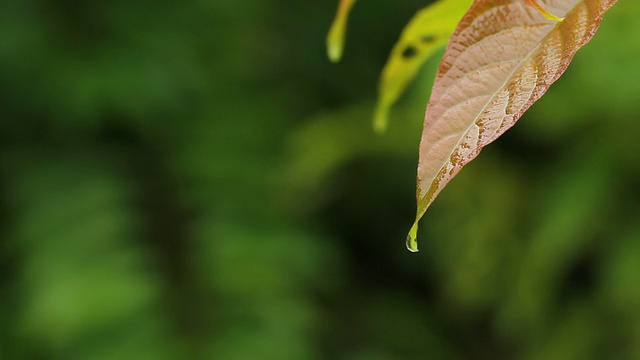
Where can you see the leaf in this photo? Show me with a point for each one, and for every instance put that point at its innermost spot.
(335, 38)
(500, 60)
(428, 31)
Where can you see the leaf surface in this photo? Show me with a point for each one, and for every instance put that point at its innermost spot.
(502, 58)
(427, 32)
(336, 35)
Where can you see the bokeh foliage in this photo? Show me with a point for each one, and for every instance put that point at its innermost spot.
(195, 180)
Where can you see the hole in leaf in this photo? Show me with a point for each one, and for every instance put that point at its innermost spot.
(409, 52)
(427, 38)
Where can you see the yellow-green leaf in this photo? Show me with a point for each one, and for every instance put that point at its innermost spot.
(335, 38)
(428, 31)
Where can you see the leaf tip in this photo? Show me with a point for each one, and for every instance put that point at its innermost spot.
(335, 41)
(335, 38)
(334, 51)
(380, 118)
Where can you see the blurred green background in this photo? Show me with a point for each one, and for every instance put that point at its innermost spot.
(195, 180)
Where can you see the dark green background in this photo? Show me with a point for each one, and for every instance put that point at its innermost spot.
(195, 180)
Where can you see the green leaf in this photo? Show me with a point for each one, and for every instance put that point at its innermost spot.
(335, 38)
(428, 31)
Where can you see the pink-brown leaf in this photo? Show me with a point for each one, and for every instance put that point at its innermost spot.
(501, 59)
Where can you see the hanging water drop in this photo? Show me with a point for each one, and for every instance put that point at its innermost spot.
(412, 238)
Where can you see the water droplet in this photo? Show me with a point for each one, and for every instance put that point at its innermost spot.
(412, 238)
